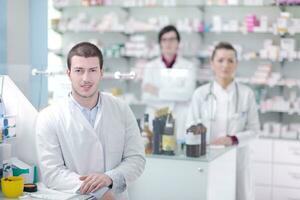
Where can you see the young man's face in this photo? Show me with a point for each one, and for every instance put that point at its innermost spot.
(169, 43)
(224, 64)
(85, 76)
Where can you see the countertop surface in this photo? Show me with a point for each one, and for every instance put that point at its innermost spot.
(212, 152)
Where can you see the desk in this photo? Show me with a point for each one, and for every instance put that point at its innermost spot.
(78, 197)
(209, 177)
(48, 194)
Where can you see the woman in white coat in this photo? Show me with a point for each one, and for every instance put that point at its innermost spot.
(169, 80)
(228, 110)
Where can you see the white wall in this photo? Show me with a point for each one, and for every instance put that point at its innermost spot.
(18, 43)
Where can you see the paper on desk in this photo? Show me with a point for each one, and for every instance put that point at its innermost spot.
(217, 146)
(48, 194)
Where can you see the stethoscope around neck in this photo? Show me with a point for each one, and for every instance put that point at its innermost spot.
(211, 100)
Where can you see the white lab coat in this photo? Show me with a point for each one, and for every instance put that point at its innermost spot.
(176, 86)
(68, 146)
(244, 125)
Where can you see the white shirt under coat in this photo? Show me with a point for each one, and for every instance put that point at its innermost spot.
(90, 114)
(224, 97)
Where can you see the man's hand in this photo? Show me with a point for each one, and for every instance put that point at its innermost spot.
(225, 140)
(108, 196)
(94, 182)
(152, 89)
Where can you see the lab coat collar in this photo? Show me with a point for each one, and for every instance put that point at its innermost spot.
(219, 89)
(82, 124)
(74, 102)
(169, 64)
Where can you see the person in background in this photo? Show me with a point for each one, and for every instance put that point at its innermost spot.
(169, 80)
(229, 112)
(89, 141)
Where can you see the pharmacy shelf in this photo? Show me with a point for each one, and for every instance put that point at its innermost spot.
(61, 9)
(208, 79)
(254, 32)
(199, 4)
(240, 6)
(278, 111)
(128, 33)
(206, 37)
(182, 31)
(119, 32)
(277, 138)
(278, 84)
(59, 53)
(206, 58)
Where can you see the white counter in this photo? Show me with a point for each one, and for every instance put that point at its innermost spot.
(47, 196)
(44, 193)
(210, 177)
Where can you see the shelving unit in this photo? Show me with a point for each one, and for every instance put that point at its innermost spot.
(115, 58)
(197, 40)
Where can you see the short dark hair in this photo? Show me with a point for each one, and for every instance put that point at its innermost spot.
(85, 49)
(223, 45)
(167, 29)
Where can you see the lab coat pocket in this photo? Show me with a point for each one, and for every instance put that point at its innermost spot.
(239, 121)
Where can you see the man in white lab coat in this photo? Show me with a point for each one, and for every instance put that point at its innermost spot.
(228, 110)
(90, 140)
(169, 80)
